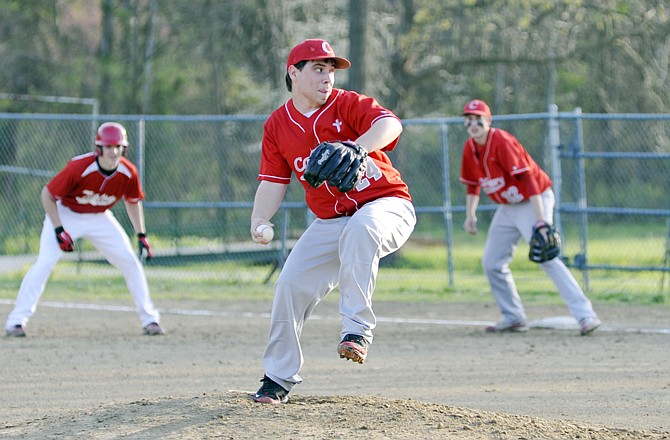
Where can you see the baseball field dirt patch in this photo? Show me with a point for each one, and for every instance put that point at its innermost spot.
(86, 371)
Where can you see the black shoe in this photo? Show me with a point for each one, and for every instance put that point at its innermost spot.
(153, 329)
(271, 392)
(354, 348)
(16, 332)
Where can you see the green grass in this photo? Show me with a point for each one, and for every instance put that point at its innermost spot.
(419, 283)
(417, 273)
(196, 282)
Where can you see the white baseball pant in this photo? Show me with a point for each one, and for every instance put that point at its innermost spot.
(344, 250)
(107, 235)
(509, 224)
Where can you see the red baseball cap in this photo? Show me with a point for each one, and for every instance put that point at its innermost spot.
(315, 49)
(477, 107)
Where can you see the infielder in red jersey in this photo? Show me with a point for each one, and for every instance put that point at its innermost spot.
(352, 230)
(77, 203)
(496, 162)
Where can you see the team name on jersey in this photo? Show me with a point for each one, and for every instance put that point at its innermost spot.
(512, 195)
(491, 185)
(95, 199)
(300, 163)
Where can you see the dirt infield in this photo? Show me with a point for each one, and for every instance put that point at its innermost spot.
(431, 373)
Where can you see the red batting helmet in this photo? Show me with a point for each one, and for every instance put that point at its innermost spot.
(111, 133)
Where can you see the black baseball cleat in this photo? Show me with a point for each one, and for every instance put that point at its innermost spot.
(354, 348)
(153, 329)
(16, 332)
(271, 392)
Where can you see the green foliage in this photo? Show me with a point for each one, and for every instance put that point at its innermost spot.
(418, 272)
(426, 57)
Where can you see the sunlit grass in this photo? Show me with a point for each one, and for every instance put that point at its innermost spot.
(417, 273)
(470, 283)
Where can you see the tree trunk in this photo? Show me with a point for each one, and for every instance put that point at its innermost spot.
(106, 41)
(401, 81)
(358, 11)
(149, 58)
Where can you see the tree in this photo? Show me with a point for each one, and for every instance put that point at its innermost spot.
(426, 57)
(357, 42)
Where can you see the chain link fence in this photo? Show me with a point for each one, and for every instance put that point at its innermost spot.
(199, 173)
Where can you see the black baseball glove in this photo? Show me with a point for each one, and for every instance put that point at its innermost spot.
(342, 164)
(545, 243)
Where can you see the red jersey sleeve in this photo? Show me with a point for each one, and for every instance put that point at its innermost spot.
(134, 191)
(274, 167)
(361, 112)
(470, 169)
(63, 182)
(472, 190)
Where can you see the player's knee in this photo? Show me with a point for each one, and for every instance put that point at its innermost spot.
(126, 264)
(46, 263)
(362, 242)
(285, 287)
(486, 263)
(491, 265)
(551, 264)
(296, 294)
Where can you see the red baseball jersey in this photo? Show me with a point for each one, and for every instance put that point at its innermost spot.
(82, 187)
(502, 168)
(289, 137)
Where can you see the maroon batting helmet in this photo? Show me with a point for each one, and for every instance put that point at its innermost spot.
(111, 133)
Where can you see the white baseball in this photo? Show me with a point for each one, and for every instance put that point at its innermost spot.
(267, 231)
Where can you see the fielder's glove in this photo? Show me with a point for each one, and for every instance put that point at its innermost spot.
(144, 246)
(545, 243)
(342, 164)
(64, 240)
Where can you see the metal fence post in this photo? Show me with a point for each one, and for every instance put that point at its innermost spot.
(447, 211)
(554, 143)
(582, 258)
(139, 158)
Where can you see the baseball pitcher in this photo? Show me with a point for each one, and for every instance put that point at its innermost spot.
(335, 141)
